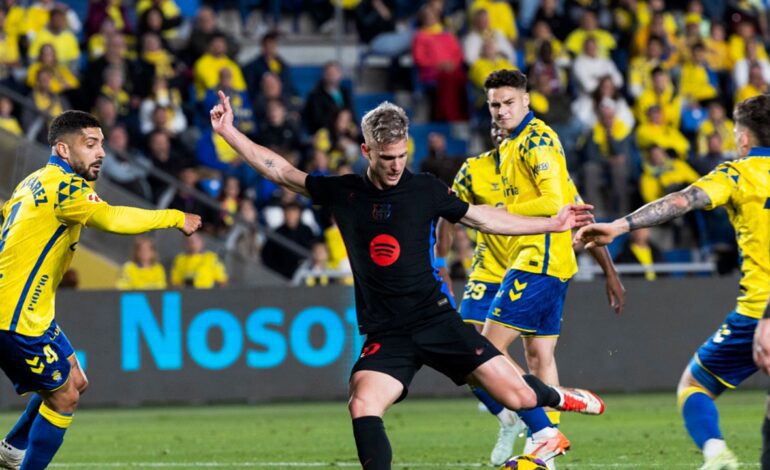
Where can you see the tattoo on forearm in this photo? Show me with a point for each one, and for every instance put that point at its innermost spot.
(269, 163)
(669, 207)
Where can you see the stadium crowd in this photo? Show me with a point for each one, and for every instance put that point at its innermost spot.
(640, 93)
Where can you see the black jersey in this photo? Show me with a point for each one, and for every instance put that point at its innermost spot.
(389, 235)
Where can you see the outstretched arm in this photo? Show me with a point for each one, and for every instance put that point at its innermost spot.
(267, 163)
(655, 213)
(133, 221)
(498, 221)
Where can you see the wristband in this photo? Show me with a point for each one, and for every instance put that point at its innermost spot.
(440, 262)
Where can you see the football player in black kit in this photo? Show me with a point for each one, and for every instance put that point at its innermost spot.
(388, 220)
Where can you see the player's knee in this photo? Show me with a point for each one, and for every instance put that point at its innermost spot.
(360, 405)
(64, 401)
(82, 384)
(520, 399)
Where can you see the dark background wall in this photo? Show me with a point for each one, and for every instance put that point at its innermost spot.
(275, 344)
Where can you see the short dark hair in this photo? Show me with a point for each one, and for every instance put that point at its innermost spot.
(503, 78)
(70, 122)
(754, 115)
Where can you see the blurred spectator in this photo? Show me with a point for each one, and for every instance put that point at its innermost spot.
(501, 17)
(745, 33)
(549, 13)
(152, 21)
(268, 61)
(137, 82)
(553, 106)
(438, 162)
(166, 98)
(246, 240)
(340, 140)
(276, 131)
(229, 201)
(480, 32)
(279, 258)
(641, 67)
(15, 24)
(585, 107)
(106, 11)
(38, 15)
(9, 51)
(197, 268)
(489, 61)
(315, 270)
(113, 89)
(172, 16)
(717, 49)
(97, 43)
(717, 123)
(104, 110)
(239, 100)
(659, 26)
(439, 60)
(607, 166)
(156, 56)
(186, 201)
(377, 26)
(712, 157)
(589, 68)
(338, 254)
(663, 175)
(757, 84)
(63, 40)
(203, 30)
(62, 78)
(326, 98)
(8, 121)
(655, 132)
(124, 167)
(662, 95)
(207, 67)
(697, 81)
(274, 212)
(47, 102)
(165, 158)
(144, 271)
(638, 249)
(461, 262)
(271, 88)
(741, 69)
(534, 48)
(589, 28)
(318, 163)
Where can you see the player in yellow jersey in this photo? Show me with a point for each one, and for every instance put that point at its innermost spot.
(743, 188)
(39, 235)
(479, 181)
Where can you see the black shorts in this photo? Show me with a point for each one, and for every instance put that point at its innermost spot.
(446, 344)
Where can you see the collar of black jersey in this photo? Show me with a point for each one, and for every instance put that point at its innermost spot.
(58, 161)
(527, 118)
(405, 176)
(759, 152)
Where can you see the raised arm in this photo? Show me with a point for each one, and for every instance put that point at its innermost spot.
(655, 213)
(498, 221)
(266, 162)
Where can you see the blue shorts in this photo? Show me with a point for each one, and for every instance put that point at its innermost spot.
(725, 359)
(531, 303)
(477, 299)
(35, 363)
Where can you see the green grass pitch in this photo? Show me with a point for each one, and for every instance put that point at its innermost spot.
(641, 431)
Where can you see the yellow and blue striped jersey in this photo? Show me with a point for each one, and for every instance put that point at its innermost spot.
(743, 188)
(42, 222)
(479, 182)
(538, 184)
(40, 231)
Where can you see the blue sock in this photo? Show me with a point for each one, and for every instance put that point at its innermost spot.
(536, 419)
(45, 437)
(700, 414)
(19, 435)
(492, 405)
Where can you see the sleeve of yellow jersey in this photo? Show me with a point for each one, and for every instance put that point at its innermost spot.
(720, 184)
(80, 205)
(547, 167)
(462, 184)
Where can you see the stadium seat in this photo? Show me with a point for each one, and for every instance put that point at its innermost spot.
(363, 102)
(304, 78)
(455, 147)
